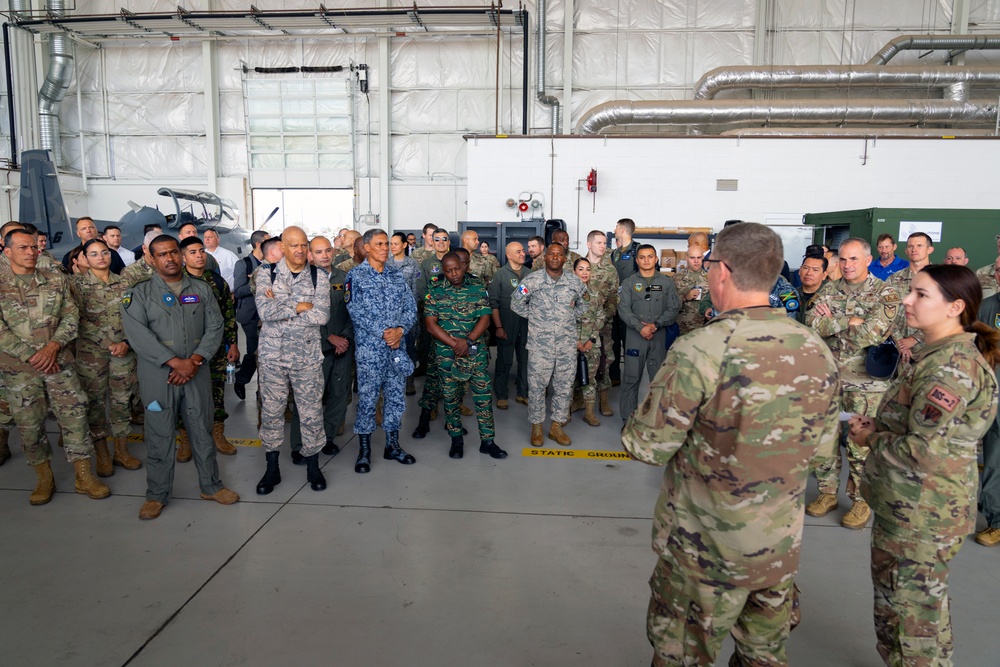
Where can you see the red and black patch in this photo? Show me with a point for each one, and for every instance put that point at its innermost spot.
(930, 415)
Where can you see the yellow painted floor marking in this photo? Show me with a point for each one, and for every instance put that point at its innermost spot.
(593, 455)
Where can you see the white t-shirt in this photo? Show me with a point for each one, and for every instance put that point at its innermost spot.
(227, 263)
(128, 257)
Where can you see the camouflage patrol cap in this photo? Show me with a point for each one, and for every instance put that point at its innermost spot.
(881, 360)
(401, 362)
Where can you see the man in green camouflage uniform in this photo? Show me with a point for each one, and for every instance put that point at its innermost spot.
(431, 273)
(738, 414)
(427, 250)
(919, 247)
(921, 481)
(692, 287)
(105, 362)
(561, 236)
(38, 320)
(588, 341)
(140, 269)
(457, 314)
(479, 264)
(987, 280)
(852, 313)
(195, 260)
(604, 281)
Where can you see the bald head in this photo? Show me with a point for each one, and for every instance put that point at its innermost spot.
(561, 237)
(321, 252)
(296, 248)
(515, 255)
(470, 241)
(360, 254)
(350, 236)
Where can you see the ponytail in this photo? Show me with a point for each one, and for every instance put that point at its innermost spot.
(988, 342)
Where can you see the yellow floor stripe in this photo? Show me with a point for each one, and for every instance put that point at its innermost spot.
(239, 442)
(593, 455)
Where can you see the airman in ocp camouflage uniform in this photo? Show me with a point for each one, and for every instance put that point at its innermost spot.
(693, 305)
(987, 279)
(603, 280)
(136, 271)
(861, 314)
(589, 328)
(457, 309)
(921, 481)
(738, 413)
(38, 320)
(481, 266)
(105, 375)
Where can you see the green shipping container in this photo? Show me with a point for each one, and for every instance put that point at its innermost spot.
(975, 230)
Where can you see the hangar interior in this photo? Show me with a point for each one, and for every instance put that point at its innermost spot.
(413, 113)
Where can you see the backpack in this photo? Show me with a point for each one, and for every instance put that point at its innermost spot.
(313, 271)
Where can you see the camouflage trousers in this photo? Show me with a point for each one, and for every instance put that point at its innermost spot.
(217, 367)
(601, 371)
(455, 373)
(430, 396)
(306, 381)
(593, 358)
(828, 473)
(688, 620)
(376, 376)
(6, 421)
(31, 394)
(910, 578)
(106, 377)
(555, 366)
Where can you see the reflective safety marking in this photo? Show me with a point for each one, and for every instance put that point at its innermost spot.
(594, 455)
(239, 442)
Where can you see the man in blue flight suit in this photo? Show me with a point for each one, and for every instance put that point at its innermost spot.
(382, 309)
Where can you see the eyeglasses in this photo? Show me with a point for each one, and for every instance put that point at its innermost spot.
(718, 261)
(103, 253)
(444, 240)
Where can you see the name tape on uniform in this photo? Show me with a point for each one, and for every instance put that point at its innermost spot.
(594, 455)
(239, 442)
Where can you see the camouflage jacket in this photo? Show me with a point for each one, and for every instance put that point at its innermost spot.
(571, 257)
(482, 266)
(224, 297)
(410, 270)
(739, 413)
(346, 265)
(420, 254)
(604, 280)
(288, 337)
(592, 321)
(136, 271)
(34, 312)
(377, 301)
(458, 309)
(692, 315)
(987, 280)
(921, 473)
(872, 300)
(552, 308)
(900, 281)
(99, 304)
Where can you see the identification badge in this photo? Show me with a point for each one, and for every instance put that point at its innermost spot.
(190, 298)
(169, 299)
(656, 288)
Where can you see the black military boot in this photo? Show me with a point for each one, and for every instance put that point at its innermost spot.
(315, 476)
(490, 447)
(457, 447)
(364, 462)
(424, 425)
(272, 477)
(297, 458)
(330, 448)
(394, 451)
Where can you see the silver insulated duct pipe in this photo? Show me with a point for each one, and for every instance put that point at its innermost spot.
(955, 80)
(931, 42)
(549, 100)
(812, 112)
(56, 82)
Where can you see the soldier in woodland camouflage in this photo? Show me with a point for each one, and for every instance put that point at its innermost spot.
(852, 313)
(603, 281)
(38, 320)
(588, 337)
(738, 414)
(457, 314)
(106, 363)
(920, 477)
(430, 274)
(293, 301)
(552, 300)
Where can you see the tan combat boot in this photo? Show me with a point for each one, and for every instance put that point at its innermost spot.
(589, 417)
(222, 445)
(577, 403)
(502, 404)
(466, 410)
(537, 439)
(102, 458)
(606, 410)
(122, 457)
(45, 486)
(86, 483)
(823, 505)
(4, 445)
(857, 517)
(556, 433)
(989, 537)
(183, 446)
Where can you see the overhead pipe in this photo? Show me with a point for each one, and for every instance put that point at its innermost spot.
(959, 43)
(548, 100)
(827, 76)
(869, 132)
(814, 112)
(55, 85)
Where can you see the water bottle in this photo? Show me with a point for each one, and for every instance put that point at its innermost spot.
(230, 373)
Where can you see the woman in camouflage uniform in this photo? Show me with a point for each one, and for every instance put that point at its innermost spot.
(920, 476)
(105, 362)
(588, 334)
